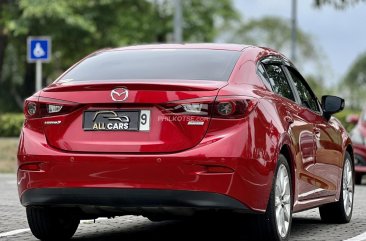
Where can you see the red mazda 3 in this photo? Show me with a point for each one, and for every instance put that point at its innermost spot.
(173, 130)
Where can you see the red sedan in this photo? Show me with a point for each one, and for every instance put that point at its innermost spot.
(358, 136)
(166, 131)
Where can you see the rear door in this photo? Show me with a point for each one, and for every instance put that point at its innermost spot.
(328, 146)
(299, 126)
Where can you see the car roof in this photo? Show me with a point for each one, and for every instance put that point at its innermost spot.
(213, 46)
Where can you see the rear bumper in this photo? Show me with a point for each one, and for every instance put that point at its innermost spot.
(239, 175)
(123, 199)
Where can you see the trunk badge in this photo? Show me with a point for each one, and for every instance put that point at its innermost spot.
(119, 94)
(52, 122)
(196, 123)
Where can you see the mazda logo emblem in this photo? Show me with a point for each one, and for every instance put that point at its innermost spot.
(119, 94)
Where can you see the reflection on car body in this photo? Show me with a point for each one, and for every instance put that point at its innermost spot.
(166, 131)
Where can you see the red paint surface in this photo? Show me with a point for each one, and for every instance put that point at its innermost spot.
(174, 155)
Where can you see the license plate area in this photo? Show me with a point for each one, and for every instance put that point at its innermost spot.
(116, 120)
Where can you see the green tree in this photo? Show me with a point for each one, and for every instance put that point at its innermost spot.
(356, 75)
(274, 32)
(339, 4)
(79, 27)
(317, 85)
(354, 82)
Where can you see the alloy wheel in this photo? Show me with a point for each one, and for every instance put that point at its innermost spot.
(282, 201)
(347, 187)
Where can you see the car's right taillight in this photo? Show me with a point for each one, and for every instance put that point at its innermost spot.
(37, 107)
(227, 107)
(232, 107)
(194, 107)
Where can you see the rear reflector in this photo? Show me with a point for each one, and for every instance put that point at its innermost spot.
(30, 167)
(218, 169)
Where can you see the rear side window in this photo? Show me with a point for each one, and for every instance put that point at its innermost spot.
(278, 81)
(263, 75)
(168, 64)
(306, 95)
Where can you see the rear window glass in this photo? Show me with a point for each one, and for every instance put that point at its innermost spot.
(189, 64)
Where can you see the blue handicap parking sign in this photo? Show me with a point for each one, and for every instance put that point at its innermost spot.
(39, 49)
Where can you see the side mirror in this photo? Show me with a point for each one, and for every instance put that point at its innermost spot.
(352, 119)
(331, 104)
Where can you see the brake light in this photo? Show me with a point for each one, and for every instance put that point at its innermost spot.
(225, 108)
(233, 107)
(31, 108)
(229, 107)
(195, 107)
(42, 107)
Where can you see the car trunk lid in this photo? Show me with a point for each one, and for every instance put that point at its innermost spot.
(148, 120)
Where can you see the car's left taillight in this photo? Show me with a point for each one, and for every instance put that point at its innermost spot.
(37, 107)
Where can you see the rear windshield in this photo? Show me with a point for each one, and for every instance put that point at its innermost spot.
(188, 64)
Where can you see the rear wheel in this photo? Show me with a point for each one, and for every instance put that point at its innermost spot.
(341, 211)
(275, 224)
(51, 224)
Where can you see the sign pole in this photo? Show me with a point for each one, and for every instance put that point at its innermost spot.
(178, 19)
(38, 75)
(293, 30)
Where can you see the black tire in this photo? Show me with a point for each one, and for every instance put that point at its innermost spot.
(358, 179)
(336, 212)
(266, 225)
(51, 224)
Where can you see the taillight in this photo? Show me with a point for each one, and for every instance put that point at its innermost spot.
(31, 108)
(229, 107)
(42, 107)
(225, 108)
(233, 107)
(195, 107)
(54, 108)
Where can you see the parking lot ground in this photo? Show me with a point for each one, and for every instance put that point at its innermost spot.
(306, 225)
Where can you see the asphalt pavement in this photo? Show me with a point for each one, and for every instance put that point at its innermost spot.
(306, 225)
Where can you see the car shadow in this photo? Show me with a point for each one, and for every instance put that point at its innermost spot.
(218, 228)
(145, 230)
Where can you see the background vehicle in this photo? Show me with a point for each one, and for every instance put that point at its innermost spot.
(358, 136)
(173, 130)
